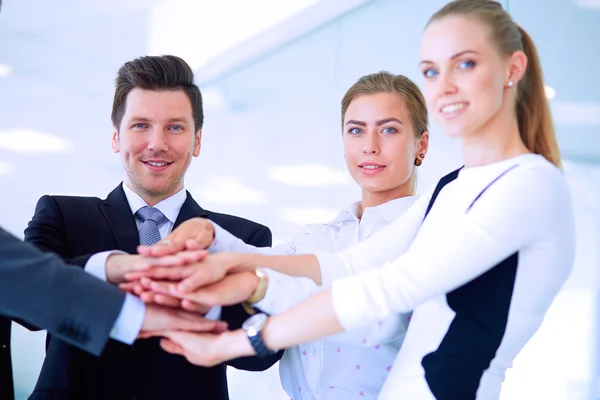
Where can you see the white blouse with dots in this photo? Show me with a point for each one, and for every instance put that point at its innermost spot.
(350, 365)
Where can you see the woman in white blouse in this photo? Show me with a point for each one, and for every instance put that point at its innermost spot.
(491, 246)
(384, 127)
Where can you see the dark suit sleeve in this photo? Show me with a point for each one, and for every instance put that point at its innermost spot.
(47, 232)
(262, 238)
(39, 289)
(236, 315)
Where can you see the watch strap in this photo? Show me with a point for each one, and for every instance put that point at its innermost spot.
(259, 346)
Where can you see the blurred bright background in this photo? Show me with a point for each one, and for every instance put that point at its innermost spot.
(272, 74)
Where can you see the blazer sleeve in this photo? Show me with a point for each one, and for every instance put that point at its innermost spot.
(38, 288)
(262, 238)
(47, 232)
(236, 315)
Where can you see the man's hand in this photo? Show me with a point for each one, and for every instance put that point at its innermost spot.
(193, 234)
(160, 318)
(117, 265)
(233, 289)
(148, 296)
(162, 266)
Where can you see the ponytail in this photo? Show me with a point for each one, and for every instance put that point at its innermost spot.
(533, 110)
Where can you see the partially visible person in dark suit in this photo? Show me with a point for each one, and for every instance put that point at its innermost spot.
(39, 289)
(157, 117)
(6, 376)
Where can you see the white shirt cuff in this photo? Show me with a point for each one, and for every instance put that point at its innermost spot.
(225, 241)
(331, 265)
(130, 320)
(96, 265)
(274, 294)
(214, 314)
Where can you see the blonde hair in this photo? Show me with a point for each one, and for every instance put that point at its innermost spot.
(533, 111)
(385, 82)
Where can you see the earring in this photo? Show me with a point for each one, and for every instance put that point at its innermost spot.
(510, 83)
(419, 161)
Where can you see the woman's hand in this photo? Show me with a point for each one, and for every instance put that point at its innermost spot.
(191, 277)
(206, 350)
(232, 289)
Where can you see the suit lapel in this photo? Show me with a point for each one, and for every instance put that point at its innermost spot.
(189, 209)
(117, 212)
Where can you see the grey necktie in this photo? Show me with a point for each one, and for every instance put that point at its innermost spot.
(152, 219)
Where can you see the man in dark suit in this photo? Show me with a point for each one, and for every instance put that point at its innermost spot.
(29, 283)
(157, 117)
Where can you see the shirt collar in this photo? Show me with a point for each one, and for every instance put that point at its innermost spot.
(170, 206)
(390, 210)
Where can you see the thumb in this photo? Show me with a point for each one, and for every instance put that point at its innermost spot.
(179, 338)
(196, 323)
(171, 347)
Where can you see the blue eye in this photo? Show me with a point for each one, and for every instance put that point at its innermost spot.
(429, 73)
(355, 131)
(466, 64)
(390, 130)
(176, 128)
(139, 126)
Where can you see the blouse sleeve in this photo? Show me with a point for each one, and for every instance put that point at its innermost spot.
(529, 207)
(386, 245)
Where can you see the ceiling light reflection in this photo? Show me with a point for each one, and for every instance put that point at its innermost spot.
(576, 113)
(6, 168)
(589, 4)
(5, 70)
(550, 92)
(31, 141)
(309, 175)
(306, 215)
(228, 190)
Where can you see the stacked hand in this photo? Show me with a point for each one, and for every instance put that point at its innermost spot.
(180, 282)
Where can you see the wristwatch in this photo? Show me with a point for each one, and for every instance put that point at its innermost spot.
(259, 292)
(253, 326)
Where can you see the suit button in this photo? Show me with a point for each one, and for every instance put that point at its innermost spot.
(4, 346)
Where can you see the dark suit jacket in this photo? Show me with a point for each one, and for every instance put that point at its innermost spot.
(6, 381)
(29, 283)
(75, 228)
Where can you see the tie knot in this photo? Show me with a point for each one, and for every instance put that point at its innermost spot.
(150, 213)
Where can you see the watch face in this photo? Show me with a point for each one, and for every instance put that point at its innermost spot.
(254, 324)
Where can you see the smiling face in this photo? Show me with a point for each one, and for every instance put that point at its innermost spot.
(380, 145)
(465, 75)
(156, 141)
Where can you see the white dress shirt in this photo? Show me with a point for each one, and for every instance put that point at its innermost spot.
(129, 322)
(347, 366)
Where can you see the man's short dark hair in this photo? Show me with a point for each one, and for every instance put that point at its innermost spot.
(156, 73)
